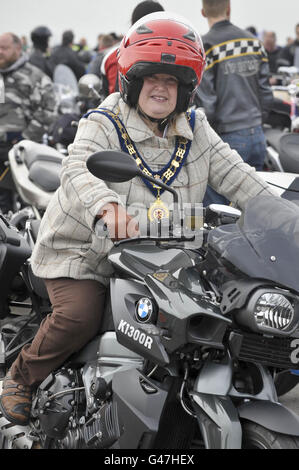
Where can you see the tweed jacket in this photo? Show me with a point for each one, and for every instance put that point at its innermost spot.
(67, 245)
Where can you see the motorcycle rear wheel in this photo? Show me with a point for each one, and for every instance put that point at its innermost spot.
(258, 437)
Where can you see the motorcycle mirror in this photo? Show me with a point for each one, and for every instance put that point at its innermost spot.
(113, 166)
(90, 85)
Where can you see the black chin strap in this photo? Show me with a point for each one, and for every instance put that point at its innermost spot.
(162, 123)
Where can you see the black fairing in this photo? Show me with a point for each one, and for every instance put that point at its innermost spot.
(264, 243)
(14, 251)
(180, 318)
(140, 260)
(185, 318)
(124, 296)
(142, 413)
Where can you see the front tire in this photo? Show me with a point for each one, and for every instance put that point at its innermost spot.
(258, 437)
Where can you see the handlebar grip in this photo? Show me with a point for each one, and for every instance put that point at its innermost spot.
(101, 229)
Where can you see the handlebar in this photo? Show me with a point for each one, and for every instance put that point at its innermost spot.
(213, 216)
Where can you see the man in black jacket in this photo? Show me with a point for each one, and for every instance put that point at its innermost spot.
(65, 55)
(291, 53)
(235, 90)
(39, 56)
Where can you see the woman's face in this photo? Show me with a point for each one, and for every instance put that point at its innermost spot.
(158, 96)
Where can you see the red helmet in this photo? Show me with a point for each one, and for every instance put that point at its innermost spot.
(161, 43)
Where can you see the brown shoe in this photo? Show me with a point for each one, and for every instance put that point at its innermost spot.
(15, 401)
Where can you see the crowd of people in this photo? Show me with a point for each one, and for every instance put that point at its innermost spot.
(229, 71)
(89, 59)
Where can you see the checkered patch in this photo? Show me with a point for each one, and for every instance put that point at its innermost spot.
(234, 48)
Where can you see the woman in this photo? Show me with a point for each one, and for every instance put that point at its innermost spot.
(161, 61)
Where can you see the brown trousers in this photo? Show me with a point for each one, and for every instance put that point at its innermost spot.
(78, 307)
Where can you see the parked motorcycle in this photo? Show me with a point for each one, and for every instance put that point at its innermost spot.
(282, 126)
(35, 169)
(197, 335)
(66, 89)
(86, 97)
(285, 184)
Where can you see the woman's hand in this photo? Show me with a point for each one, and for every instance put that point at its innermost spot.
(119, 223)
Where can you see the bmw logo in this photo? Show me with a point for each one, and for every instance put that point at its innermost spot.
(144, 309)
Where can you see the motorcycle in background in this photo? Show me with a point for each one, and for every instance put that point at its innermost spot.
(35, 168)
(87, 96)
(66, 89)
(282, 127)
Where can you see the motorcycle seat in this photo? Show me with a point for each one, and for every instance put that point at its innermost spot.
(289, 152)
(30, 159)
(31, 152)
(273, 137)
(45, 175)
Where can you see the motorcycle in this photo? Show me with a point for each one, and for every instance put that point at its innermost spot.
(282, 126)
(191, 339)
(87, 96)
(35, 170)
(66, 89)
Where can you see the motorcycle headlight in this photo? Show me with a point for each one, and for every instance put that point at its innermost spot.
(274, 312)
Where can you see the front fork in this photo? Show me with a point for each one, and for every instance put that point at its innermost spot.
(218, 421)
(220, 408)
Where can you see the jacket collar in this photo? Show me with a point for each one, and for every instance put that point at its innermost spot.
(221, 23)
(16, 65)
(139, 131)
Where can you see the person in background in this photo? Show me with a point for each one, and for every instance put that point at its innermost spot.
(24, 42)
(235, 91)
(272, 49)
(28, 108)
(109, 62)
(252, 30)
(290, 53)
(289, 41)
(64, 54)
(82, 45)
(116, 37)
(39, 56)
(106, 42)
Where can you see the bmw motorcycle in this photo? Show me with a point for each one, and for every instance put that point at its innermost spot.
(191, 338)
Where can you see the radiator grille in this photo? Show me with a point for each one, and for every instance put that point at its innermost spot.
(274, 352)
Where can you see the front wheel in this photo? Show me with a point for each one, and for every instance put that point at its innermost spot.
(258, 437)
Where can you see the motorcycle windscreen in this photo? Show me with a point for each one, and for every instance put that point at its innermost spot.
(264, 243)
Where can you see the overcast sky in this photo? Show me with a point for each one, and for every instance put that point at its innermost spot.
(88, 18)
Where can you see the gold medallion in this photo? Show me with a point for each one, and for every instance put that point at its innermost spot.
(158, 211)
